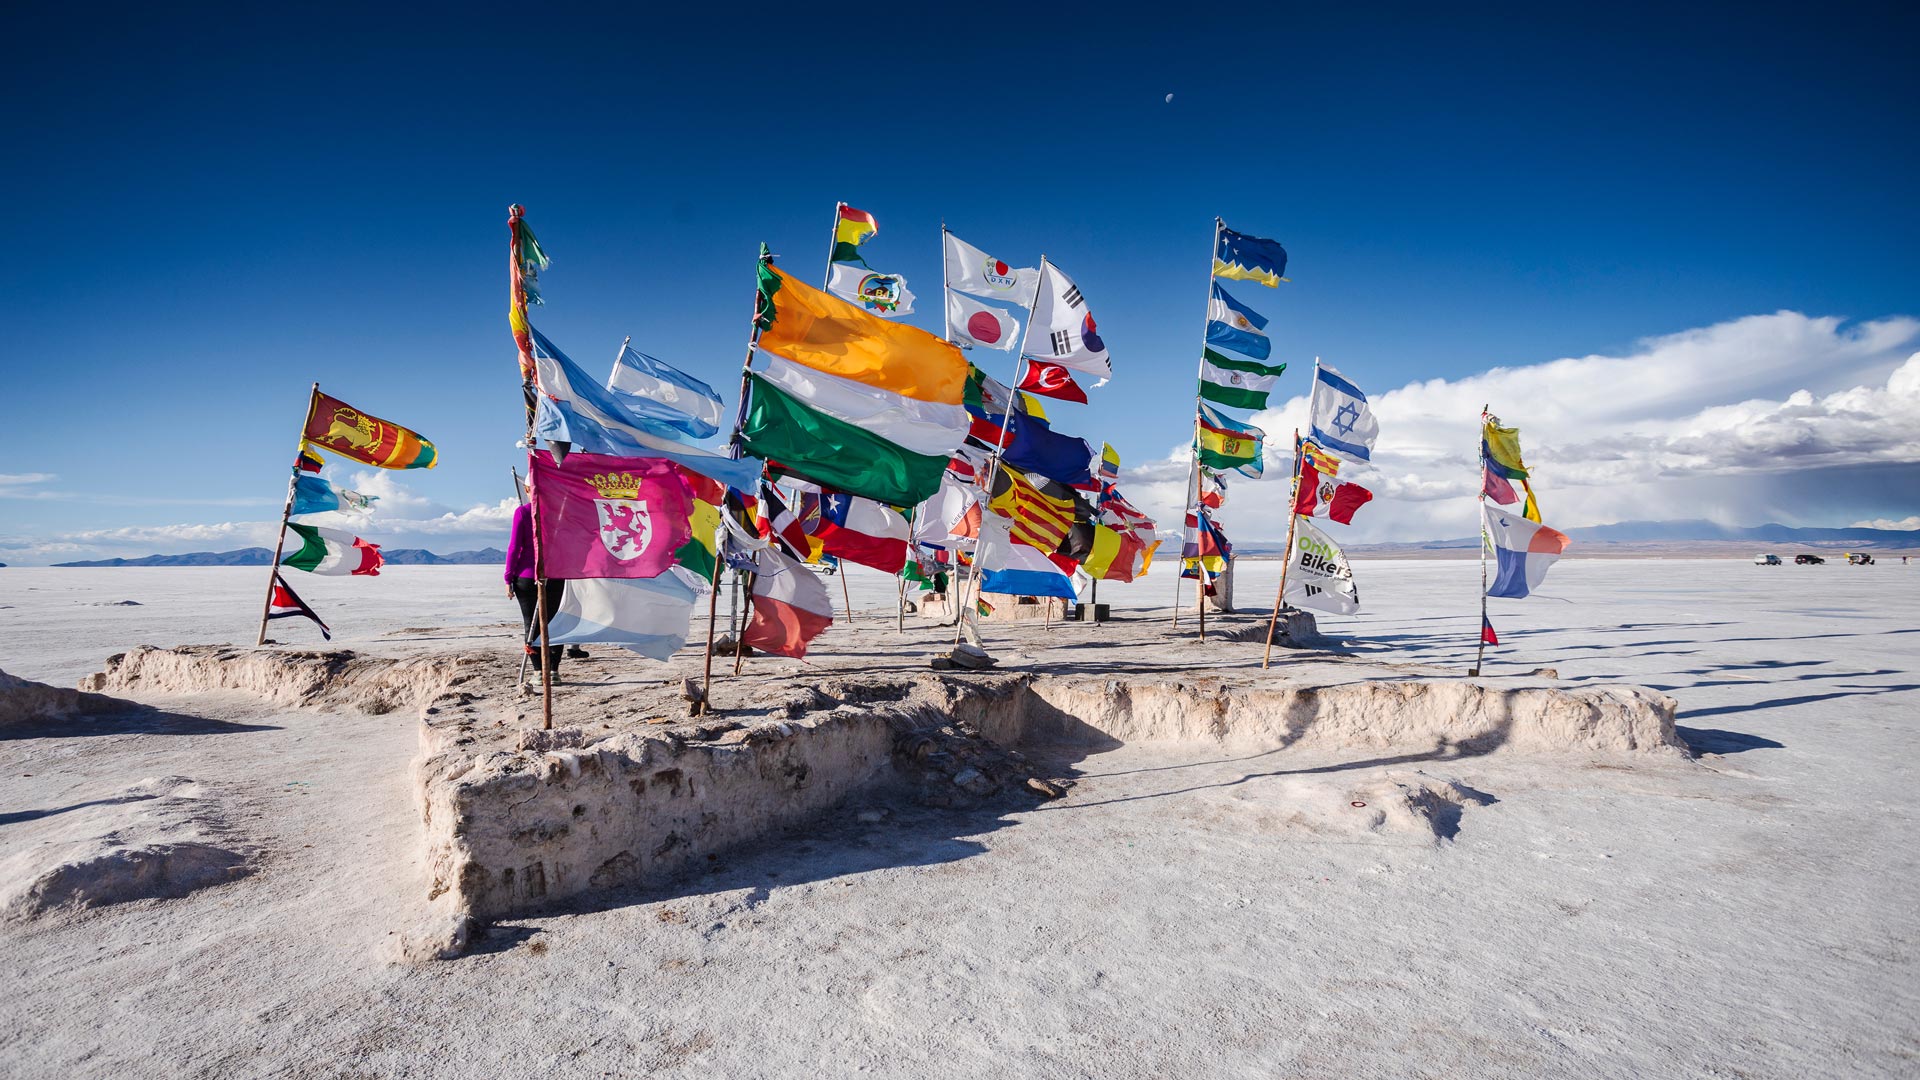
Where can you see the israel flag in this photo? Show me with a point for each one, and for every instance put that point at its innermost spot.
(1342, 422)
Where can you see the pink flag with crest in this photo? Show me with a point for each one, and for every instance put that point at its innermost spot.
(609, 517)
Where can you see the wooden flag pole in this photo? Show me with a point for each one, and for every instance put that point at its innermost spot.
(1293, 519)
(1193, 474)
(1481, 631)
(733, 450)
(286, 511)
(846, 594)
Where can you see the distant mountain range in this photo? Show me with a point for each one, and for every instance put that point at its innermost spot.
(1620, 538)
(259, 556)
(1655, 537)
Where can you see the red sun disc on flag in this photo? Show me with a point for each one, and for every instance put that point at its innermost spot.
(984, 328)
(1001, 268)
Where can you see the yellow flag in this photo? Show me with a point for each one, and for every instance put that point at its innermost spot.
(828, 334)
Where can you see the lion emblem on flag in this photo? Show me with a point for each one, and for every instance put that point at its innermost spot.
(625, 527)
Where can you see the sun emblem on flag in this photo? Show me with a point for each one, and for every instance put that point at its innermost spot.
(1345, 418)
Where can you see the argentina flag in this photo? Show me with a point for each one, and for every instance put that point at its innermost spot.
(1233, 325)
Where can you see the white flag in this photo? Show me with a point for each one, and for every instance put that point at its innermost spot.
(1342, 422)
(1319, 575)
(971, 270)
(651, 616)
(1063, 328)
(971, 322)
(885, 295)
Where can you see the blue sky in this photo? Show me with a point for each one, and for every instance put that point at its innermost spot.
(213, 208)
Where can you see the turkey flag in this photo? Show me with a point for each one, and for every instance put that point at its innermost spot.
(1051, 380)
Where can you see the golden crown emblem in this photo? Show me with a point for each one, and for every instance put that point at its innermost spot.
(620, 485)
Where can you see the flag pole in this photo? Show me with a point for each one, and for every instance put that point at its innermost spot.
(529, 390)
(286, 511)
(1481, 654)
(1293, 519)
(1193, 474)
(1020, 366)
(733, 450)
(713, 604)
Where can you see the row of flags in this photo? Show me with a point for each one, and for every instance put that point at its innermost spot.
(335, 427)
(1222, 443)
(1523, 548)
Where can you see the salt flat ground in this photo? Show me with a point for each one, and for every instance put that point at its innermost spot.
(1751, 914)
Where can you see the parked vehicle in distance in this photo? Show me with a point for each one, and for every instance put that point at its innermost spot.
(1766, 560)
(1808, 560)
(1859, 558)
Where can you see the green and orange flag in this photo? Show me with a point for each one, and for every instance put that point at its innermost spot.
(337, 426)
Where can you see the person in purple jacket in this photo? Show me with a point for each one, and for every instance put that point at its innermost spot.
(522, 585)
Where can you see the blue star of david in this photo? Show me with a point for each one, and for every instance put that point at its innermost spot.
(1344, 419)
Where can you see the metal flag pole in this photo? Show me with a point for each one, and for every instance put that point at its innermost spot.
(1193, 474)
(1020, 366)
(1481, 654)
(1293, 519)
(833, 242)
(273, 569)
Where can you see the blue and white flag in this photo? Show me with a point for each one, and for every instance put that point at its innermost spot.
(1233, 325)
(312, 495)
(650, 616)
(1522, 551)
(1342, 422)
(573, 408)
(1008, 567)
(655, 390)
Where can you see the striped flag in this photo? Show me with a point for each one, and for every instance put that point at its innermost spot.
(287, 605)
(791, 606)
(1041, 514)
(330, 551)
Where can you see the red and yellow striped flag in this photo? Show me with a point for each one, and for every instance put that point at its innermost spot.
(1040, 517)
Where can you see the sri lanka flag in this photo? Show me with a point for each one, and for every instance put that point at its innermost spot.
(1249, 258)
(1523, 550)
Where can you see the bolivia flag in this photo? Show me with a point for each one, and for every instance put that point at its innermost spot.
(853, 228)
(330, 551)
(1227, 444)
(862, 531)
(790, 606)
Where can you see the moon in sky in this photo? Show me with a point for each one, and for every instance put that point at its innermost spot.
(1169, 99)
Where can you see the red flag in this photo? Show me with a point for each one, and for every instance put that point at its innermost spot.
(1051, 380)
(1495, 487)
(1323, 498)
(1307, 495)
(1487, 636)
(308, 461)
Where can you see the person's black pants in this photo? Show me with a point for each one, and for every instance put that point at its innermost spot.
(527, 591)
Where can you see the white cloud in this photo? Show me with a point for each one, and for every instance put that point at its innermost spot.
(1678, 428)
(1905, 524)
